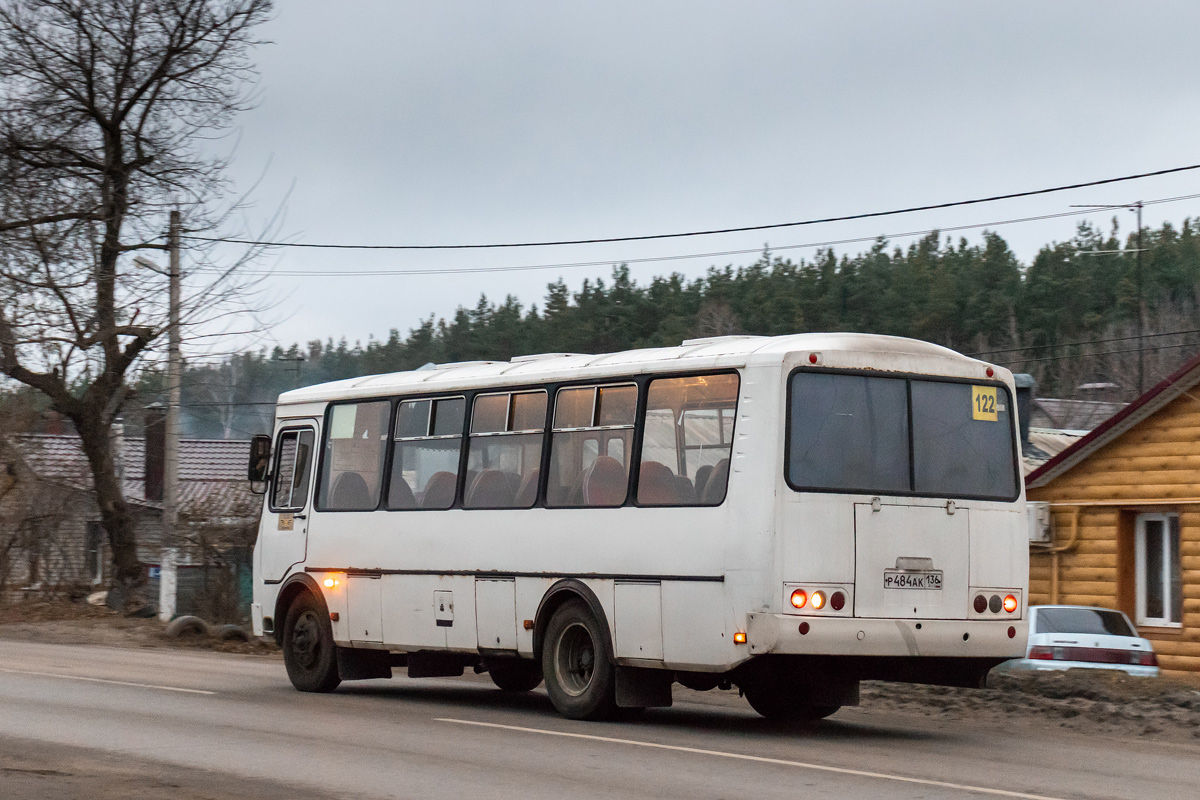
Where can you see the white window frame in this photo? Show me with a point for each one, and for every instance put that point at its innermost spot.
(1169, 601)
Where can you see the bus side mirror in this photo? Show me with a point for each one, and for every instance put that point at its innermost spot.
(260, 462)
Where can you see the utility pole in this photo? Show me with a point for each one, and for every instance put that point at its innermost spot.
(1141, 310)
(169, 575)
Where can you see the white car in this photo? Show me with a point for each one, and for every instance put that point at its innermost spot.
(1084, 637)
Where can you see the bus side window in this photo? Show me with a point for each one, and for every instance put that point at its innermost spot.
(426, 456)
(293, 460)
(687, 440)
(581, 473)
(355, 445)
(505, 449)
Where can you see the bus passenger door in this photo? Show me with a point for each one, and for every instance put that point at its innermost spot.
(283, 533)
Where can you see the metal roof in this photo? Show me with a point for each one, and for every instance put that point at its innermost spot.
(1166, 391)
(212, 472)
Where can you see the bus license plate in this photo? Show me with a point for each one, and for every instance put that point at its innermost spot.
(905, 579)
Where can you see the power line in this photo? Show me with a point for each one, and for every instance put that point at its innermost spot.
(1089, 355)
(711, 232)
(677, 257)
(1079, 344)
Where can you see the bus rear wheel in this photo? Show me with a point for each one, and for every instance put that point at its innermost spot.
(580, 675)
(785, 704)
(514, 674)
(308, 649)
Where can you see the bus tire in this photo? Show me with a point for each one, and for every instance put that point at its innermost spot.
(581, 678)
(514, 674)
(782, 704)
(308, 649)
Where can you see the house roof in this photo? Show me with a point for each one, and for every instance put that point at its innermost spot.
(1045, 444)
(1073, 415)
(212, 472)
(1166, 391)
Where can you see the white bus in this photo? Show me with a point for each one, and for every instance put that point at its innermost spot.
(789, 515)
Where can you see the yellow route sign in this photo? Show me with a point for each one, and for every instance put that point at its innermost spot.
(983, 403)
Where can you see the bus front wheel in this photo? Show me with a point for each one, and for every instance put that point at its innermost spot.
(308, 649)
(580, 675)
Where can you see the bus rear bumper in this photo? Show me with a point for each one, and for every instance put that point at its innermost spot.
(780, 634)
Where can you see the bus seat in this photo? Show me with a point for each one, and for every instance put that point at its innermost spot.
(656, 485)
(491, 489)
(605, 483)
(400, 494)
(702, 473)
(714, 489)
(514, 481)
(350, 493)
(527, 494)
(685, 490)
(439, 490)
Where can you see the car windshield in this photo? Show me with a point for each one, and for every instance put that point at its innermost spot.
(1082, 620)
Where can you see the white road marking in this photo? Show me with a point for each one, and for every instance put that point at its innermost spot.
(104, 680)
(762, 759)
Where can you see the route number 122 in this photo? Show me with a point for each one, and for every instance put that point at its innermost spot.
(983, 403)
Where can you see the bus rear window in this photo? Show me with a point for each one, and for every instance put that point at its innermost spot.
(962, 440)
(895, 435)
(849, 432)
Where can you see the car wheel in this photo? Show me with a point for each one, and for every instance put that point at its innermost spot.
(308, 649)
(514, 674)
(580, 675)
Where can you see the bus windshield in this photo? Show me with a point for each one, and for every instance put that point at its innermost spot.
(898, 435)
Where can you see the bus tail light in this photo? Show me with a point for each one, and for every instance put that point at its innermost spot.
(980, 604)
(1010, 603)
(799, 598)
(837, 601)
(818, 600)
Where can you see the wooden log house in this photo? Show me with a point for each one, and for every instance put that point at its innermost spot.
(1125, 519)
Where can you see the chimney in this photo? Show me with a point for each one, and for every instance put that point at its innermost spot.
(156, 451)
(1026, 388)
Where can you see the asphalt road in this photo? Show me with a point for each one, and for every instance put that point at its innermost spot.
(98, 722)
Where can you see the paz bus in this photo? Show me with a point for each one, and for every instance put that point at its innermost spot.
(789, 515)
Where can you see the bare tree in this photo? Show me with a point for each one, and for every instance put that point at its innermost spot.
(106, 108)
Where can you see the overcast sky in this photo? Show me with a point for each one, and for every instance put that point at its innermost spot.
(395, 122)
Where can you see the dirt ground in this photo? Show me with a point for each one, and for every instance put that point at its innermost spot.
(1090, 701)
(77, 623)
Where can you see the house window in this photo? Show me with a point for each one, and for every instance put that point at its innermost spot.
(1159, 580)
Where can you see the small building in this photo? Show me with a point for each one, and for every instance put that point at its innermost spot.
(52, 540)
(1124, 510)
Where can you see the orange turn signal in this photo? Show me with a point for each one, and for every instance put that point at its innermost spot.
(739, 637)
(331, 582)
(1010, 603)
(818, 600)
